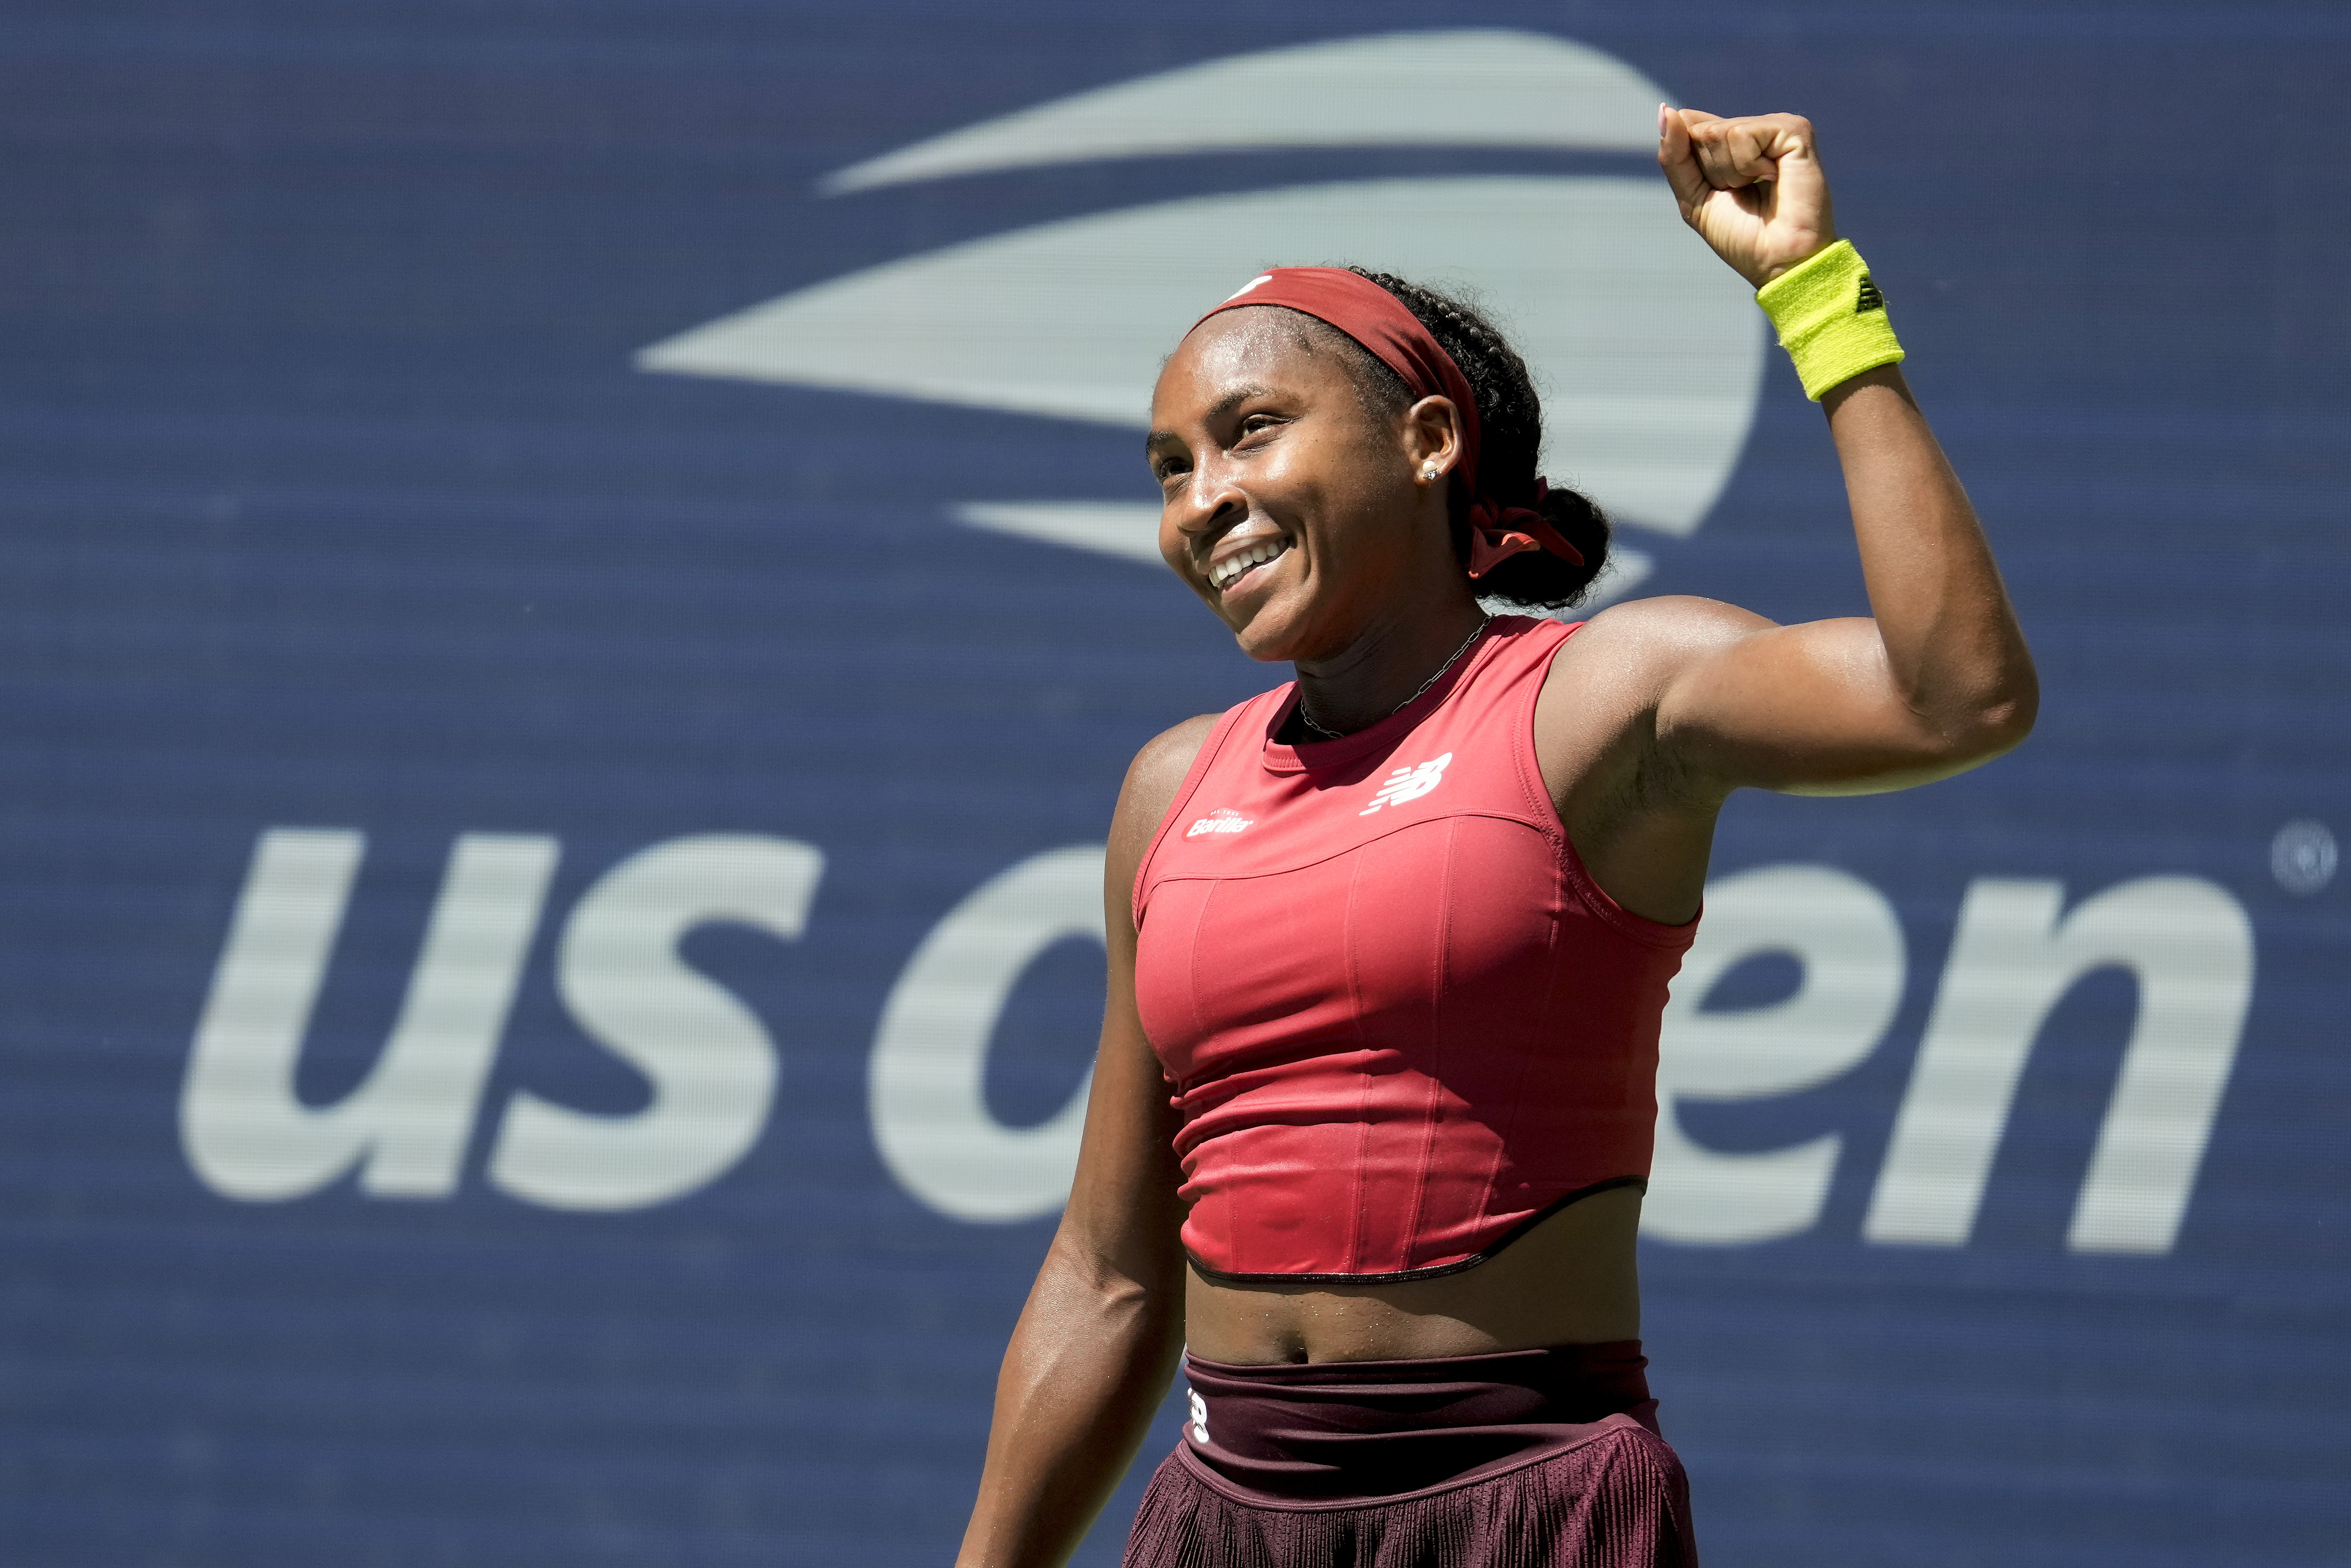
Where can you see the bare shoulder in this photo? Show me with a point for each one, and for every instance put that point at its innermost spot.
(1597, 722)
(1159, 768)
(1669, 626)
(1151, 780)
(1641, 644)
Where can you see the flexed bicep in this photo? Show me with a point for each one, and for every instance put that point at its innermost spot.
(1813, 708)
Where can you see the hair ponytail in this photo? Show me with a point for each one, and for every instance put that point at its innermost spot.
(1537, 579)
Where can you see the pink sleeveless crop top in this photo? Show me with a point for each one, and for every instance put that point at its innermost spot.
(1399, 1021)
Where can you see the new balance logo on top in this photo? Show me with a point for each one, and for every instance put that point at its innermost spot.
(1408, 784)
(1871, 299)
(1223, 819)
(1200, 1417)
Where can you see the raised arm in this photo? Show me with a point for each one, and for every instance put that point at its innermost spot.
(1097, 1342)
(1939, 679)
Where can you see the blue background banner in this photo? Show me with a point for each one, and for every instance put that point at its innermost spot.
(572, 607)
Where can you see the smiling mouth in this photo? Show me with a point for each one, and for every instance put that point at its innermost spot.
(1233, 568)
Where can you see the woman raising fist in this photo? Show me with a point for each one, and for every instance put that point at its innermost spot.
(1373, 1104)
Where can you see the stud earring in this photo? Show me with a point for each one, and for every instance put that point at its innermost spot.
(1428, 471)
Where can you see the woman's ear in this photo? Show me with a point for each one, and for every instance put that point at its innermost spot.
(1432, 437)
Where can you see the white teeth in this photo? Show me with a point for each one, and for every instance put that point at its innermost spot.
(1255, 555)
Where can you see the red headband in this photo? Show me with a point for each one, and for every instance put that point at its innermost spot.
(1379, 322)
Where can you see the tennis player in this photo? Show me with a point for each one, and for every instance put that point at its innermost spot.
(1375, 1094)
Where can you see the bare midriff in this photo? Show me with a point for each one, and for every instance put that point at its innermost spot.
(1571, 1279)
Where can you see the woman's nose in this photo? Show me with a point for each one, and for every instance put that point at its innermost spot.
(1210, 498)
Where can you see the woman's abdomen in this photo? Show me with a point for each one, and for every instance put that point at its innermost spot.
(1572, 1279)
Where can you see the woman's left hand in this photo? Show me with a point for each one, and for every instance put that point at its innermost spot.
(1753, 187)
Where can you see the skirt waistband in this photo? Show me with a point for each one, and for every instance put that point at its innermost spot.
(1319, 1432)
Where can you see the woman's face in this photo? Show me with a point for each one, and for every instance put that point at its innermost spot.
(1296, 511)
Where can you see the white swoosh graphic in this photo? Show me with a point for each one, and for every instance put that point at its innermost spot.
(1647, 351)
(1461, 89)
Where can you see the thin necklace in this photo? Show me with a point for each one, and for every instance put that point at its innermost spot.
(1308, 719)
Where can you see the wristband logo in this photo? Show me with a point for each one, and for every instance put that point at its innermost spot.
(1647, 349)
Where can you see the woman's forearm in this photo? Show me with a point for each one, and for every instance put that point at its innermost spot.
(1084, 1373)
(1953, 651)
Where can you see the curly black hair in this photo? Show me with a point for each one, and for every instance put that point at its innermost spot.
(1510, 419)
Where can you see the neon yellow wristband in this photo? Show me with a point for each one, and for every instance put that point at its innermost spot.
(1831, 317)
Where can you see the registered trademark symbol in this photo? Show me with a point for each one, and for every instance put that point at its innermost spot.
(2301, 856)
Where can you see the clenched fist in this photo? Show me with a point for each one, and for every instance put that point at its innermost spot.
(1753, 187)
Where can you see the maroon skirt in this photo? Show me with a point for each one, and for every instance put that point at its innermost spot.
(1531, 1459)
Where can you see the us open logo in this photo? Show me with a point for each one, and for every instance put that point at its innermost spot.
(1647, 351)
